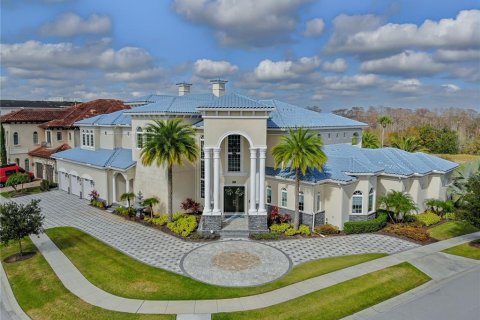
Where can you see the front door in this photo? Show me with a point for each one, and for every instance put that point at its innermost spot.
(234, 200)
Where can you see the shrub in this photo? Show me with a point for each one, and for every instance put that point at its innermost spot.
(428, 218)
(266, 236)
(304, 229)
(159, 221)
(376, 224)
(94, 195)
(327, 229)
(45, 185)
(292, 232)
(191, 206)
(52, 185)
(276, 217)
(178, 215)
(125, 211)
(98, 203)
(184, 225)
(450, 216)
(410, 231)
(280, 227)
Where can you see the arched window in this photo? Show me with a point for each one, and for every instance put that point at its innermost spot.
(284, 197)
(35, 137)
(139, 138)
(357, 200)
(269, 194)
(319, 202)
(27, 165)
(15, 138)
(301, 201)
(371, 198)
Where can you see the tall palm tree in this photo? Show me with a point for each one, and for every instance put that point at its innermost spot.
(370, 140)
(410, 144)
(399, 203)
(170, 142)
(300, 150)
(150, 202)
(384, 121)
(127, 196)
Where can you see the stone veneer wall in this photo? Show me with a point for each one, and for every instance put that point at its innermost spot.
(305, 218)
(258, 223)
(208, 223)
(362, 217)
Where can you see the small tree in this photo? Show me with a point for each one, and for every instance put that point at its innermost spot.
(150, 202)
(384, 121)
(370, 140)
(439, 207)
(472, 199)
(17, 178)
(397, 203)
(191, 206)
(127, 196)
(18, 221)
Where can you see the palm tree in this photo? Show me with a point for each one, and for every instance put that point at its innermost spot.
(150, 202)
(170, 142)
(127, 196)
(370, 140)
(301, 150)
(410, 144)
(397, 202)
(384, 121)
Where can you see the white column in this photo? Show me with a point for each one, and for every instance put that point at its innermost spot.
(127, 187)
(261, 200)
(114, 190)
(207, 208)
(253, 172)
(216, 181)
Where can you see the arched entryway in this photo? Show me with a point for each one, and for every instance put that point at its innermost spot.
(120, 186)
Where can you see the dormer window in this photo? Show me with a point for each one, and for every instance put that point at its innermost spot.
(87, 138)
(139, 138)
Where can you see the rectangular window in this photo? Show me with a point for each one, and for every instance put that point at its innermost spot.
(70, 136)
(370, 202)
(83, 139)
(202, 168)
(91, 139)
(269, 195)
(139, 140)
(49, 137)
(357, 204)
(319, 199)
(234, 153)
(301, 201)
(59, 136)
(329, 136)
(284, 198)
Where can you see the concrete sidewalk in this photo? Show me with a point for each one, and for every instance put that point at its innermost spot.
(80, 286)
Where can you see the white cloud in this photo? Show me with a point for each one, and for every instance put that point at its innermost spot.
(350, 82)
(451, 88)
(460, 32)
(405, 63)
(457, 55)
(246, 23)
(145, 74)
(314, 28)
(206, 68)
(268, 70)
(406, 86)
(70, 24)
(338, 65)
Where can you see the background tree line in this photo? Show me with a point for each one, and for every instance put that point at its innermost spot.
(447, 131)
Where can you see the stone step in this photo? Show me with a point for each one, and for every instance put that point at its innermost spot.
(229, 234)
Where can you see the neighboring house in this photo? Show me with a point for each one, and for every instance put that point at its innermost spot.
(234, 173)
(7, 106)
(33, 135)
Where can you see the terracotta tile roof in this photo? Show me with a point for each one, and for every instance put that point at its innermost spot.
(33, 115)
(44, 152)
(85, 110)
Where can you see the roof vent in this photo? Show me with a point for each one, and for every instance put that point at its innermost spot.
(218, 87)
(183, 88)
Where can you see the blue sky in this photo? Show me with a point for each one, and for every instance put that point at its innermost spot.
(332, 54)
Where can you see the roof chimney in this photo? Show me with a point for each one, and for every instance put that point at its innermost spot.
(218, 87)
(183, 88)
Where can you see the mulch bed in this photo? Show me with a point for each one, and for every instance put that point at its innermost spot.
(475, 243)
(18, 257)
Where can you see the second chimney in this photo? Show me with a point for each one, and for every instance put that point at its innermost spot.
(183, 88)
(218, 87)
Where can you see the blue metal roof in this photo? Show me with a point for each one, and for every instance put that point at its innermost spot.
(118, 158)
(234, 101)
(345, 161)
(174, 104)
(109, 119)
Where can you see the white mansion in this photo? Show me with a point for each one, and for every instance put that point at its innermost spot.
(235, 173)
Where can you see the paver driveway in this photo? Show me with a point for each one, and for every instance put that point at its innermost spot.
(161, 250)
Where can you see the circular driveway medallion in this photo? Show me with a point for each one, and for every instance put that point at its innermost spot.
(235, 263)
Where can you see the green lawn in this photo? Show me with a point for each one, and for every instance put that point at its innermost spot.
(121, 275)
(41, 294)
(451, 229)
(342, 299)
(23, 192)
(465, 250)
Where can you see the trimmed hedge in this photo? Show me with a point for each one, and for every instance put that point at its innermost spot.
(376, 224)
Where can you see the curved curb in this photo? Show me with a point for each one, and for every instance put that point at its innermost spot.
(74, 281)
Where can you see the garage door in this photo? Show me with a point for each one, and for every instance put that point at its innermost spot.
(88, 187)
(63, 181)
(76, 184)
